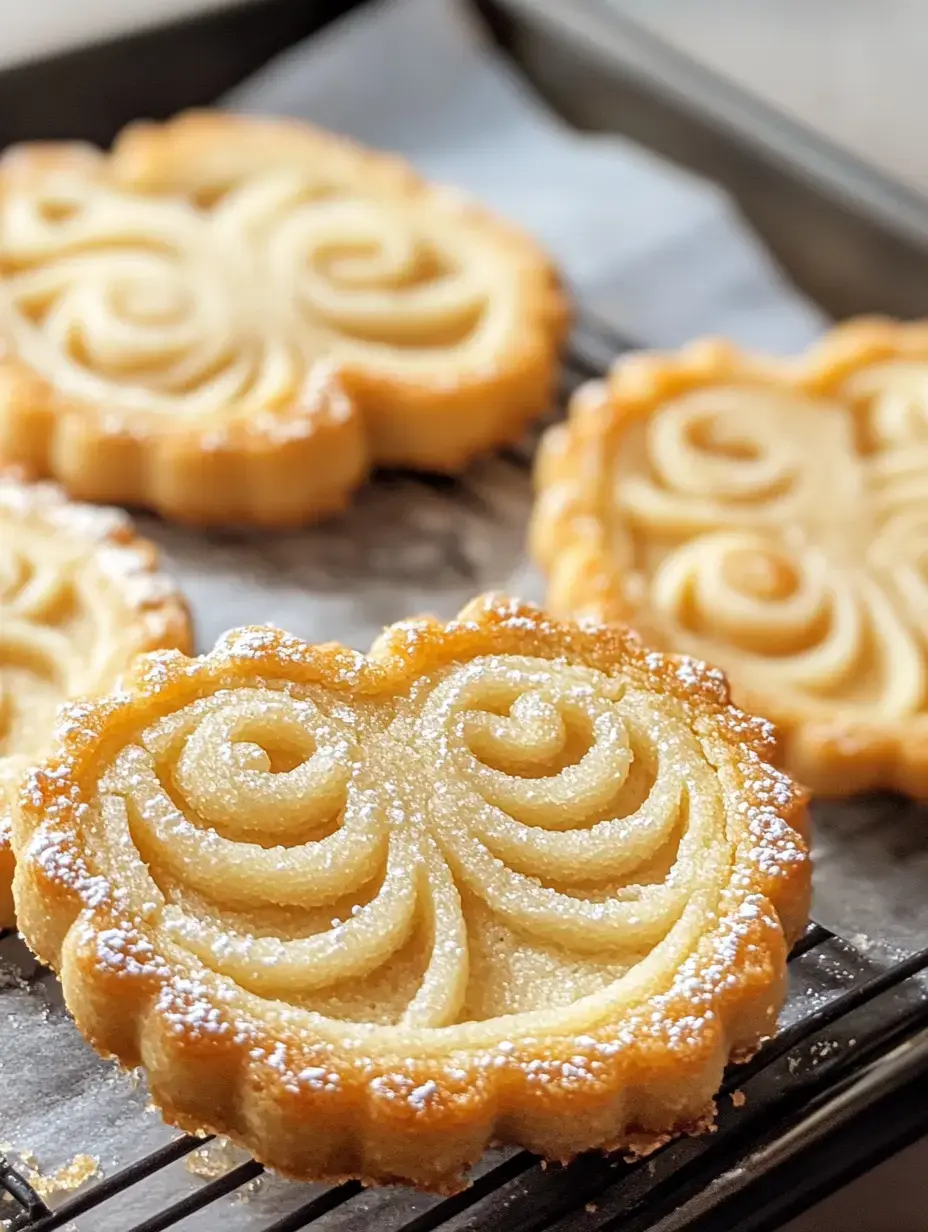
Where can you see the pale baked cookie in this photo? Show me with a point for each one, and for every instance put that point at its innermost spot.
(79, 596)
(231, 320)
(772, 518)
(501, 878)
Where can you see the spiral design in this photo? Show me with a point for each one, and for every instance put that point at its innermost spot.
(892, 400)
(404, 865)
(794, 623)
(725, 456)
(78, 598)
(255, 839)
(554, 782)
(780, 536)
(899, 553)
(63, 630)
(41, 610)
(169, 305)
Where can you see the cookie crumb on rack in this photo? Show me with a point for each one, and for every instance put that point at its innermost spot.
(65, 1179)
(214, 1159)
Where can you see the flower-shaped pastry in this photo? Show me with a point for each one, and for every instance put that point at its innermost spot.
(80, 595)
(228, 319)
(501, 878)
(772, 518)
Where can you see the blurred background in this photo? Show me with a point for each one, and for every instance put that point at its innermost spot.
(854, 69)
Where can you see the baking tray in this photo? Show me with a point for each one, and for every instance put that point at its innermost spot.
(850, 236)
(853, 1036)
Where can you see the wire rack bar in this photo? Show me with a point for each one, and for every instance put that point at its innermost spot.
(542, 1197)
(317, 1207)
(814, 1097)
(560, 1189)
(814, 935)
(22, 1194)
(222, 1185)
(489, 1183)
(829, 1013)
(126, 1177)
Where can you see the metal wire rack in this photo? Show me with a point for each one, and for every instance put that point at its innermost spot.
(853, 1032)
(853, 1035)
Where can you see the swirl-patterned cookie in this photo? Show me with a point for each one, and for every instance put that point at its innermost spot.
(80, 595)
(772, 518)
(500, 879)
(230, 320)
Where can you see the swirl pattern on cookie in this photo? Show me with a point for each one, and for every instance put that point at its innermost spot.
(772, 521)
(483, 833)
(79, 596)
(236, 289)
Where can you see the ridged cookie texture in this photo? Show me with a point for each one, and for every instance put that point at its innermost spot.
(230, 320)
(771, 517)
(501, 879)
(80, 596)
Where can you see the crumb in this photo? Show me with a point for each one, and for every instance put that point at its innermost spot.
(214, 1159)
(741, 1056)
(591, 1208)
(738, 1099)
(646, 1145)
(70, 1176)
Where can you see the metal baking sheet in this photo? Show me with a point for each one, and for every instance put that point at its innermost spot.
(850, 236)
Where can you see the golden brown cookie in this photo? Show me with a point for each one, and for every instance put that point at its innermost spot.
(230, 320)
(502, 878)
(771, 518)
(80, 595)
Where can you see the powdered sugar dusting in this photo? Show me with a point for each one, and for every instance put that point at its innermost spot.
(47, 502)
(444, 745)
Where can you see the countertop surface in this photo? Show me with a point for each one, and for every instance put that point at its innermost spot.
(30, 31)
(852, 69)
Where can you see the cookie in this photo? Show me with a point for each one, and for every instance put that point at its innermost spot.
(79, 596)
(770, 517)
(502, 878)
(230, 320)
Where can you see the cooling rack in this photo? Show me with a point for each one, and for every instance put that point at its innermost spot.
(843, 1083)
(852, 1043)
